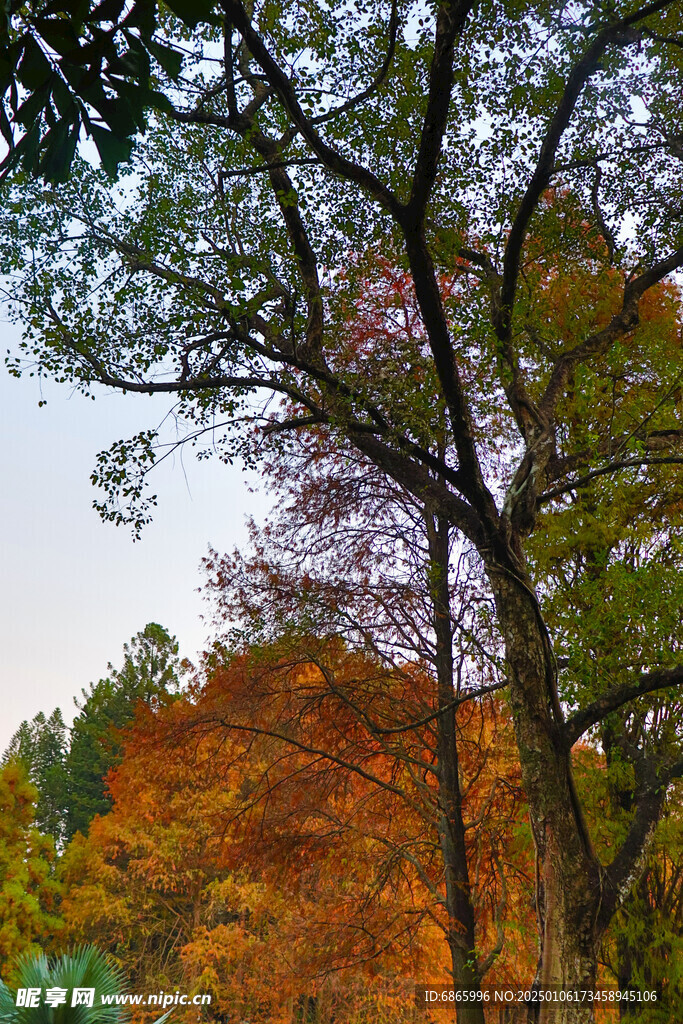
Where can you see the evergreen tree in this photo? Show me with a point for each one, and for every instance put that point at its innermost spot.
(41, 745)
(150, 673)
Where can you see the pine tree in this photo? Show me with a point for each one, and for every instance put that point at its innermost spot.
(41, 745)
(150, 673)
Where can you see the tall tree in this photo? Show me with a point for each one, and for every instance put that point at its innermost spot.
(150, 673)
(350, 555)
(613, 550)
(207, 284)
(41, 746)
(28, 888)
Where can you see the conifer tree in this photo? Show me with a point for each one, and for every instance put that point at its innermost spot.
(41, 746)
(150, 672)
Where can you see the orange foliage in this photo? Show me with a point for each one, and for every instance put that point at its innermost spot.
(267, 846)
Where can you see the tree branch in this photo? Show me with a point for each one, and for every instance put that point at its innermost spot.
(243, 172)
(615, 33)
(379, 79)
(469, 695)
(623, 322)
(602, 223)
(619, 876)
(580, 721)
(450, 21)
(653, 440)
(285, 92)
(306, 748)
(613, 467)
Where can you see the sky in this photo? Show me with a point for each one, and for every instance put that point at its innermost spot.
(74, 589)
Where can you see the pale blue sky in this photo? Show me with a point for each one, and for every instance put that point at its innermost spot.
(74, 589)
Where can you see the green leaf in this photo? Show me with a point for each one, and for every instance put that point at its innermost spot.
(6, 128)
(63, 99)
(112, 149)
(137, 97)
(59, 153)
(27, 148)
(59, 34)
(135, 60)
(29, 111)
(192, 11)
(143, 16)
(76, 9)
(170, 60)
(123, 116)
(34, 69)
(108, 10)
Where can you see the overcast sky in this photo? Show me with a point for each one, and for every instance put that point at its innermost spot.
(75, 589)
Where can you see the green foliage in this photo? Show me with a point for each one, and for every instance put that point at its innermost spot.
(150, 673)
(611, 568)
(643, 949)
(69, 773)
(41, 746)
(81, 65)
(85, 967)
(129, 282)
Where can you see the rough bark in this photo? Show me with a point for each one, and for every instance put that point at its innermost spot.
(568, 872)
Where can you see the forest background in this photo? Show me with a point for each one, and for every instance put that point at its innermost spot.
(417, 264)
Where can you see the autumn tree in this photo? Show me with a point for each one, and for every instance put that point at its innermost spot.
(349, 555)
(205, 281)
(28, 889)
(339, 725)
(601, 558)
(152, 876)
(234, 837)
(338, 555)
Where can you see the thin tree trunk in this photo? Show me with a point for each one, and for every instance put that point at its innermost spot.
(461, 927)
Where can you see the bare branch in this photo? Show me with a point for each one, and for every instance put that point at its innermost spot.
(243, 172)
(326, 755)
(602, 223)
(463, 699)
(593, 161)
(652, 441)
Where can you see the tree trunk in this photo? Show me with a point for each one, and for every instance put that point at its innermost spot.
(460, 911)
(461, 929)
(568, 872)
